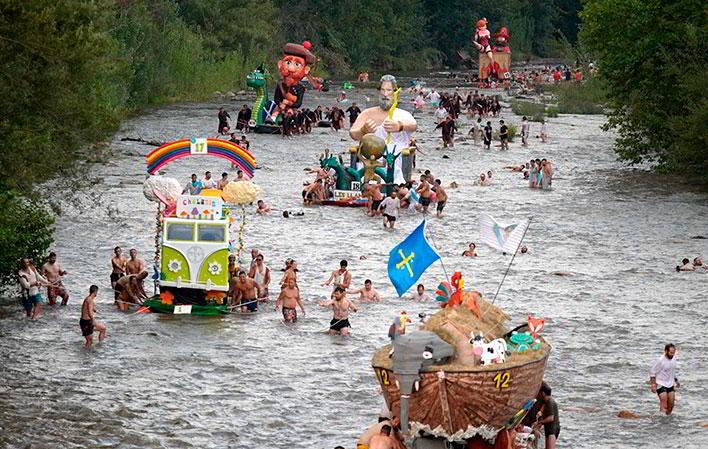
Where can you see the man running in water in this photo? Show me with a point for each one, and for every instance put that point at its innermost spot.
(368, 293)
(342, 277)
(340, 308)
(289, 299)
(53, 272)
(88, 322)
(245, 293)
(135, 265)
(118, 263)
(662, 377)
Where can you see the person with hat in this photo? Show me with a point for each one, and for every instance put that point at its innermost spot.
(294, 65)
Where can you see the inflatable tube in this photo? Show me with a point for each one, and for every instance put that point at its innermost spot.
(324, 124)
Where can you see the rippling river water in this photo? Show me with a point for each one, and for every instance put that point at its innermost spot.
(250, 382)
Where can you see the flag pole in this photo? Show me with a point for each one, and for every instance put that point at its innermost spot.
(512, 259)
(432, 239)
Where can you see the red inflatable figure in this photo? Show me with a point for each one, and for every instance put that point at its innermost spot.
(294, 66)
(502, 38)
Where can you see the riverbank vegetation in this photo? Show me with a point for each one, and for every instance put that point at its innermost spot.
(653, 59)
(587, 97)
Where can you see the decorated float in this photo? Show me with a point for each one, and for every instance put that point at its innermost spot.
(494, 57)
(374, 160)
(463, 376)
(193, 237)
(294, 67)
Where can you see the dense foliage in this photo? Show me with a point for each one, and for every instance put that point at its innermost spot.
(653, 58)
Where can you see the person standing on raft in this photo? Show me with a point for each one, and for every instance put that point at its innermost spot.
(375, 120)
(662, 377)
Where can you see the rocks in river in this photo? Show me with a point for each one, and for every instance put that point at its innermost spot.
(218, 95)
(230, 95)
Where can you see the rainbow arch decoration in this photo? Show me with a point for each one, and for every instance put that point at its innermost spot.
(178, 149)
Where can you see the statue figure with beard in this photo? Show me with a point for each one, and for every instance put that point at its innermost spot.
(375, 120)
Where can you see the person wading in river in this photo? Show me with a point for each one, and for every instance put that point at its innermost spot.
(53, 272)
(340, 308)
(368, 293)
(135, 265)
(342, 277)
(549, 418)
(662, 377)
(289, 299)
(88, 322)
(118, 263)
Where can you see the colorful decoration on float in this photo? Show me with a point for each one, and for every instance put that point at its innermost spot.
(199, 207)
(536, 325)
(523, 341)
(170, 152)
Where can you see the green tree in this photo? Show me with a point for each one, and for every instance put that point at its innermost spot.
(653, 57)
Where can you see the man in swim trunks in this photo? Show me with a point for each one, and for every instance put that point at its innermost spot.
(374, 192)
(442, 197)
(118, 263)
(368, 293)
(662, 377)
(135, 265)
(424, 193)
(53, 273)
(549, 418)
(289, 299)
(390, 207)
(88, 322)
(342, 277)
(245, 293)
(340, 308)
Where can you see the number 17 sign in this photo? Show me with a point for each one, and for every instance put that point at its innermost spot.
(198, 145)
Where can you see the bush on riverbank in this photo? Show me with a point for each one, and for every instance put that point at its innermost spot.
(579, 98)
(533, 111)
(26, 230)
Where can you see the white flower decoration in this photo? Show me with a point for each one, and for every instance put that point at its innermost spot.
(174, 265)
(214, 268)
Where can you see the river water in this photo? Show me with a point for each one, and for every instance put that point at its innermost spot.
(251, 382)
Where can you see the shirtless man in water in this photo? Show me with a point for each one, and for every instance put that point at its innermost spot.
(130, 290)
(381, 435)
(135, 265)
(118, 269)
(289, 299)
(245, 293)
(368, 293)
(88, 322)
(340, 308)
(424, 192)
(53, 272)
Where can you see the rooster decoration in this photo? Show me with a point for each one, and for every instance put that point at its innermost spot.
(459, 297)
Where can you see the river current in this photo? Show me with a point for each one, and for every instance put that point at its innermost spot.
(603, 245)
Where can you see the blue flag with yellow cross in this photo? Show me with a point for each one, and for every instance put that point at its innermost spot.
(409, 259)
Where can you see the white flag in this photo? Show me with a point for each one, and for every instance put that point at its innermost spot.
(504, 237)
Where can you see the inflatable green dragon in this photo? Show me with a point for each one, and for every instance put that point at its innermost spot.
(256, 80)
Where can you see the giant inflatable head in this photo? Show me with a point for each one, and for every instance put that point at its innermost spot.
(295, 62)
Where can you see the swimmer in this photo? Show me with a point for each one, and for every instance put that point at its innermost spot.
(699, 265)
(420, 294)
(470, 252)
(686, 265)
(87, 322)
(368, 293)
(483, 181)
(340, 306)
(515, 168)
(342, 278)
(135, 265)
(53, 272)
(293, 213)
(524, 249)
(262, 207)
(290, 298)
